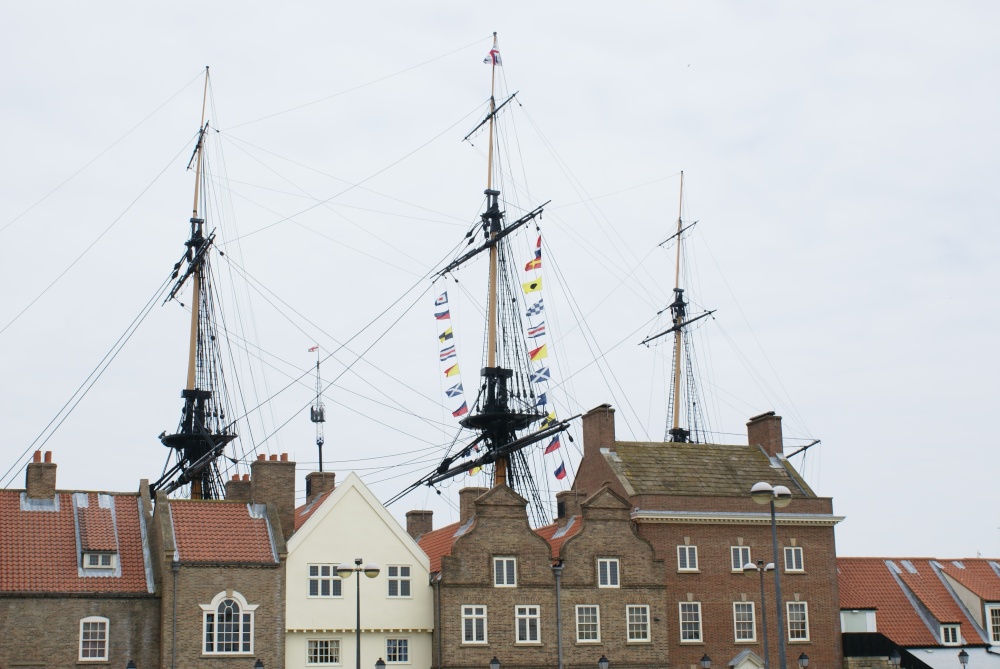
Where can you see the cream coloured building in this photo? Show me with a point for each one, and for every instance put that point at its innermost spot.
(340, 524)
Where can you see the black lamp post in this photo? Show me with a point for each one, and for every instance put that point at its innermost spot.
(803, 661)
(750, 569)
(778, 497)
(603, 663)
(706, 662)
(494, 663)
(963, 657)
(345, 571)
(380, 664)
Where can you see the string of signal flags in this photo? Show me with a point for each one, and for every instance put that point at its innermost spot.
(535, 331)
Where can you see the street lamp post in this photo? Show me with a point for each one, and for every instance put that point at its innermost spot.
(345, 570)
(750, 569)
(963, 657)
(779, 496)
(895, 658)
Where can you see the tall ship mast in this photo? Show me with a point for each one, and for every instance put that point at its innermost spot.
(507, 403)
(202, 434)
(685, 415)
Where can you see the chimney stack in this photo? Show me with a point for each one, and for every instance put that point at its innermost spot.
(273, 482)
(467, 502)
(765, 431)
(598, 430)
(238, 489)
(568, 505)
(419, 523)
(318, 483)
(40, 480)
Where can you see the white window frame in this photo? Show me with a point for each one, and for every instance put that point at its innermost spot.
(693, 608)
(469, 612)
(400, 580)
(993, 622)
(805, 620)
(790, 565)
(331, 577)
(504, 579)
(212, 609)
(684, 564)
(405, 641)
(737, 555)
(954, 631)
(95, 620)
(611, 576)
(737, 621)
(597, 622)
(335, 642)
(637, 632)
(112, 559)
(531, 616)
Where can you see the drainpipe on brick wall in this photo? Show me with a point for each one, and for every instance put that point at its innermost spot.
(437, 616)
(175, 567)
(557, 570)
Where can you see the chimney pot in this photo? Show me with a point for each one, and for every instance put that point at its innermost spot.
(48, 456)
(284, 457)
(261, 456)
(274, 457)
(246, 477)
(36, 456)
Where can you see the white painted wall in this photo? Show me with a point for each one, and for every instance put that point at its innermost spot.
(352, 524)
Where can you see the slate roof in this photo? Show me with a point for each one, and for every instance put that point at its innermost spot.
(908, 595)
(658, 468)
(39, 550)
(221, 531)
(437, 543)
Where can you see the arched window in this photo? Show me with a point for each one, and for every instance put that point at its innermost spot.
(94, 639)
(228, 625)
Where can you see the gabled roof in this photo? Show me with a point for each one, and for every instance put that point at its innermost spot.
(909, 595)
(40, 551)
(658, 468)
(980, 576)
(309, 516)
(207, 530)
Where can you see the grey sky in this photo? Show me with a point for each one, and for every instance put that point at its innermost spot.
(841, 159)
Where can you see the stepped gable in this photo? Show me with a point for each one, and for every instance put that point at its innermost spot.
(658, 468)
(39, 550)
(219, 531)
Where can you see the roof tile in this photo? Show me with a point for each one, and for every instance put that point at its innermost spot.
(207, 530)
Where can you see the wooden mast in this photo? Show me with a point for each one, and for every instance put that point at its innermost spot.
(678, 315)
(500, 467)
(196, 228)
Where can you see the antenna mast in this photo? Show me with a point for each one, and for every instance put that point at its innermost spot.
(317, 413)
(677, 311)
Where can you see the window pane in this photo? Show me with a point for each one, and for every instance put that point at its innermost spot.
(510, 572)
(498, 572)
(613, 572)
(691, 621)
(325, 588)
(404, 572)
(393, 572)
(638, 623)
(404, 588)
(602, 571)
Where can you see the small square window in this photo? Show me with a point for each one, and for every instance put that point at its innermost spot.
(397, 651)
(99, 560)
(687, 558)
(793, 558)
(399, 581)
(505, 572)
(607, 573)
(741, 556)
(950, 635)
(323, 581)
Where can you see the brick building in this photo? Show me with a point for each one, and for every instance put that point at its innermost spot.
(498, 585)
(927, 610)
(692, 503)
(104, 578)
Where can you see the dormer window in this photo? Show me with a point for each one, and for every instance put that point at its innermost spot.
(950, 635)
(99, 560)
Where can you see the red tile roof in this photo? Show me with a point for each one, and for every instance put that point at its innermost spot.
(551, 533)
(304, 512)
(869, 583)
(977, 575)
(208, 530)
(39, 551)
(97, 530)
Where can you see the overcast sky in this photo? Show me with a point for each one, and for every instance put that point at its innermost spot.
(841, 160)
